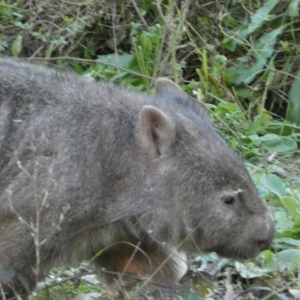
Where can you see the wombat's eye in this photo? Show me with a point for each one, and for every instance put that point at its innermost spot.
(228, 200)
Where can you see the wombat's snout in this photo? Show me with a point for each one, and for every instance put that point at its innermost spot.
(265, 243)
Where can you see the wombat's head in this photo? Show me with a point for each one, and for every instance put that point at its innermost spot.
(204, 196)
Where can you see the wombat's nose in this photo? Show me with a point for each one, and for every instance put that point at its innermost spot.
(264, 244)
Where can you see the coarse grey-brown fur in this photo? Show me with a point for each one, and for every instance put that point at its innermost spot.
(88, 165)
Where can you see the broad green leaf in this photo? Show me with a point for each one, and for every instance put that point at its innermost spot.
(188, 293)
(282, 297)
(291, 205)
(276, 143)
(269, 261)
(249, 66)
(260, 17)
(289, 241)
(268, 256)
(273, 184)
(260, 122)
(295, 293)
(219, 62)
(288, 259)
(16, 46)
(293, 109)
(243, 92)
(288, 256)
(284, 224)
(249, 270)
(293, 9)
(122, 61)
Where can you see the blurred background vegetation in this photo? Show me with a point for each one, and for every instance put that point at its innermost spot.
(241, 58)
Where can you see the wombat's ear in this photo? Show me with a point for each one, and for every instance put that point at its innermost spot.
(156, 130)
(164, 85)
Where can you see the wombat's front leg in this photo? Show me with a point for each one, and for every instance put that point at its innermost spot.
(143, 261)
(17, 267)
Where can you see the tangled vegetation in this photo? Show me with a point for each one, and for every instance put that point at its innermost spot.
(241, 57)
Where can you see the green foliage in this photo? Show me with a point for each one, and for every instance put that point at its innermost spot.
(293, 109)
(259, 17)
(146, 47)
(250, 65)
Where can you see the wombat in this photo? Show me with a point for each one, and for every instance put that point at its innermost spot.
(92, 171)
